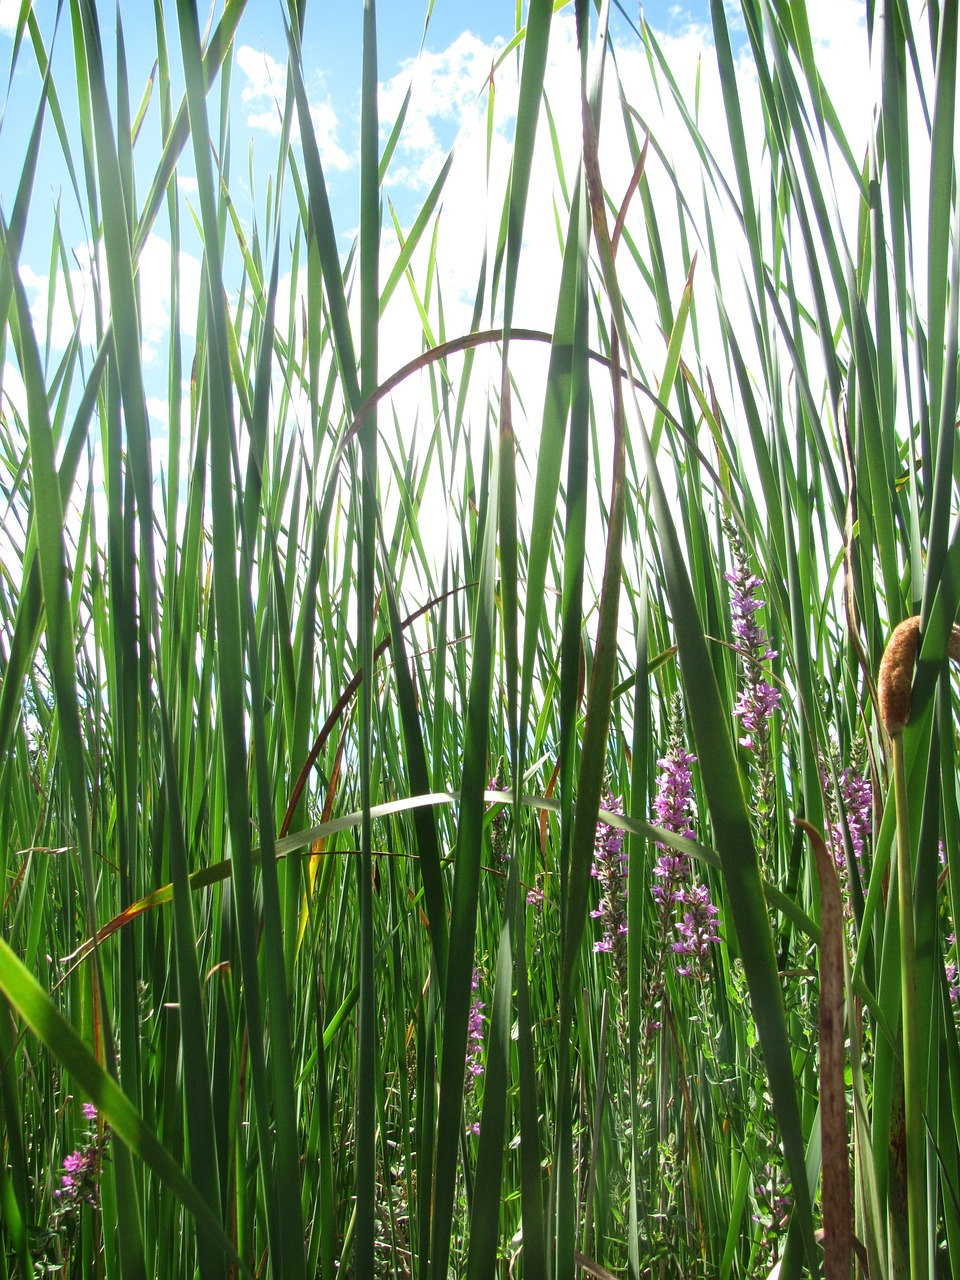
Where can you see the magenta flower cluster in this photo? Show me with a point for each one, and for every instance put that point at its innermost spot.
(773, 1199)
(475, 1030)
(498, 825)
(673, 809)
(855, 801)
(674, 889)
(697, 930)
(953, 975)
(758, 699)
(610, 869)
(474, 1045)
(80, 1178)
(535, 896)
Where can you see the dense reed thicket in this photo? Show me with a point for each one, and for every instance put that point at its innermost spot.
(448, 826)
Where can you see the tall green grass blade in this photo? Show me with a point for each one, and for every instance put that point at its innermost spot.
(117, 246)
(367, 1046)
(941, 198)
(464, 903)
(279, 1162)
(321, 221)
(735, 844)
(37, 1010)
(61, 650)
(552, 434)
(15, 1199)
(535, 45)
(590, 783)
(199, 1112)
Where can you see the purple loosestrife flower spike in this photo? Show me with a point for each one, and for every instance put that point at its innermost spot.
(673, 810)
(697, 930)
(674, 890)
(758, 699)
(474, 1063)
(673, 805)
(953, 981)
(80, 1180)
(854, 801)
(498, 825)
(609, 868)
(475, 1031)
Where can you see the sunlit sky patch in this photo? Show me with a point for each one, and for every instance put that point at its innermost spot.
(450, 62)
(447, 68)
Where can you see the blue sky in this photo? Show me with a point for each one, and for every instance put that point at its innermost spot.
(332, 50)
(448, 78)
(451, 70)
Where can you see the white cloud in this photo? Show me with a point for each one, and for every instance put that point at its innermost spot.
(447, 95)
(14, 392)
(449, 98)
(9, 13)
(264, 95)
(56, 316)
(154, 288)
(154, 279)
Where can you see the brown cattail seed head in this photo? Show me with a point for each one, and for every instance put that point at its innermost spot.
(895, 684)
(896, 672)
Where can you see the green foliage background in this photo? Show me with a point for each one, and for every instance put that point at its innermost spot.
(255, 875)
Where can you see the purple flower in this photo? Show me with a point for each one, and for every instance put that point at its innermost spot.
(856, 804)
(758, 699)
(755, 704)
(673, 886)
(673, 810)
(498, 825)
(773, 1198)
(474, 1062)
(475, 1031)
(80, 1172)
(80, 1179)
(610, 869)
(697, 929)
(673, 805)
(670, 871)
(849, 806)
